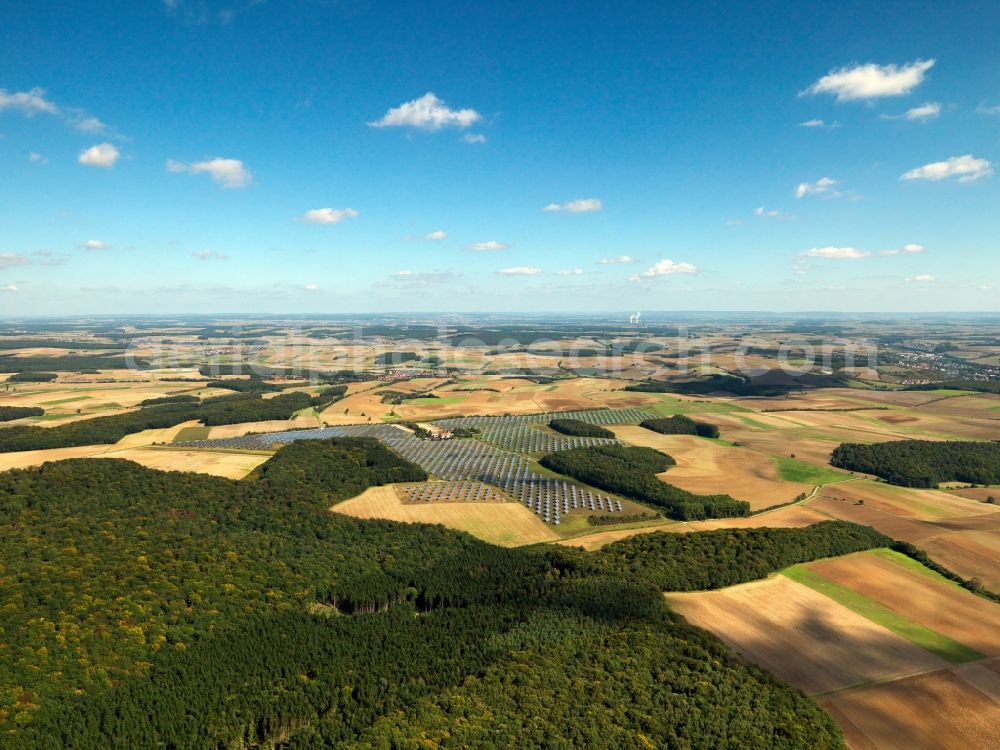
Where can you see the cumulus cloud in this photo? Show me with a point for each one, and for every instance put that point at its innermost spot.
(988, 109)
(772, 213)
(95, 245)
(824, 185)
(210, 255)
(230, 173)
(871, 81)
(9, 260)
(836, 253)
(436, 236)
(27, 102)
(910, 249)
(480, 247)
(924, 278)
(578, 206)
(616, 260)
(474, 138)
(927, 111)
(571, 272)
(426, 113)
(966, 168)
(520, 271)
(311, 287)
(664, 267)
(102, 155)
(35, 158)
(328, 215)
(9, 288)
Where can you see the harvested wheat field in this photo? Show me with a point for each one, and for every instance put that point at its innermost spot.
(506, 524)
(918, 594)
(273, 425)
(148, 437)
(231, 465)
(971, 554)
(24, 459)
(947, 710)
(707, 468)
(802, 636)
(908, 502)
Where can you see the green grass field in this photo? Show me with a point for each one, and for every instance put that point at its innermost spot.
(194, 432)
(66, 400)
(793, 470)
(930, 640)
(444, 400)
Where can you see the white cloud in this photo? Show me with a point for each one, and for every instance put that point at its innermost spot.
(571, 272)
(520, 271)
(664, 268)
(95, 245)
(89, 125)
(328, 215)
(821, 186)
(923, 278)
(911, 249)
(926, 111)
(230, 173)
(773, 213)
(474, 138)
(28, 102)
(837, 253)
(480, 247)
(578, 206)
(36, 158)
(312, 287)
(418, 279)
(812, 124)
(102, 155)
(9, 288)
(436, 236)
(9, 260)
(871, 81)
(987, 109)
(966, 168)
(210, 255)
(614, 261)
(427, 113)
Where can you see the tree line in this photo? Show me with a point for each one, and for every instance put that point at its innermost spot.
(923, 463)
(579, 428)
(680, 425)
(10, 413)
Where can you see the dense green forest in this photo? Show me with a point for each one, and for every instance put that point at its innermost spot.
(632, 472)
(923, 463)
(395, 358)
(103, 430)
(680, 425)
(713, 384)
(9, 413)
(153, 609)
(579, 428)
(69, 363)
(32, 377)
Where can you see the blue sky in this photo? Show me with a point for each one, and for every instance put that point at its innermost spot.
(201, 156)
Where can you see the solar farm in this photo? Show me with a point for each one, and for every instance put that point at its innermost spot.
(494, 466)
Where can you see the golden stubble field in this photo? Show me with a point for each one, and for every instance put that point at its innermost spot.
(707, 468)
(506, 524)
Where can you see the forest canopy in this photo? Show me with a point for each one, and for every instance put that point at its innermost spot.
(923, 463)
(579, 428)
(680, 425)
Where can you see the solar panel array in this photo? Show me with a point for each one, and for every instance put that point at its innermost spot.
(489, 469)
(520, 432)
